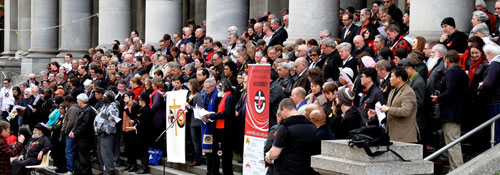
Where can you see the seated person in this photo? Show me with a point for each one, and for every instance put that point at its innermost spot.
(33, 152)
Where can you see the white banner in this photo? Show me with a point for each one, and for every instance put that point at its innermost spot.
(253, 153)
(176, 126)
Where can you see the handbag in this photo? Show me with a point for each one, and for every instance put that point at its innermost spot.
(367, 136)
(154, 156)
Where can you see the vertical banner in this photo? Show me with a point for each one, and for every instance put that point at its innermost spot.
(176, 126)
(257, 118)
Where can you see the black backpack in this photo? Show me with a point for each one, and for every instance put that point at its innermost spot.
(367, 136)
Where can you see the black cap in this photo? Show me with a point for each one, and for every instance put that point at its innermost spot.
(448, 20)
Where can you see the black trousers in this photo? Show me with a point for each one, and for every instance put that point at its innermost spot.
(143, 143)
(19, 166)
(222, 142)
(82, 162)
(130, 139)
(58, 153)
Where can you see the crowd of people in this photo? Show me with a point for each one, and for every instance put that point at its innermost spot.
(111, 102)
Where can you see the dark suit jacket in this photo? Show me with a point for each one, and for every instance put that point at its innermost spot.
(302, 81)
(279, 37)
(351, 32)
(365, 48)
(453, 95)
(353, 64)
(386, 87)
(419, 87)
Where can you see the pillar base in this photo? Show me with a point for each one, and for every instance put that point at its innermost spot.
(8, 54)
(77, 53)
(11, 68)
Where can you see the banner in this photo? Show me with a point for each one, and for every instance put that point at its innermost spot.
(257, 118)
(176, 126)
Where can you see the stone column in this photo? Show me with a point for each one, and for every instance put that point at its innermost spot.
(10, 37)
(357, 4)
(44, 40)
(156, 26)
(428, 24)
(258, 7)
(200, 13)
(74, 36)
(221, 14)
(44, 13)
(114, 21)
(24, 23)
(308, 18)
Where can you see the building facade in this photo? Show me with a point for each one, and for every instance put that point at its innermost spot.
(39, 31)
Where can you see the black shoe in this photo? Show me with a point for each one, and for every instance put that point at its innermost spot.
(60, 170)
(141, 171)
(127, 168)
(132, 169)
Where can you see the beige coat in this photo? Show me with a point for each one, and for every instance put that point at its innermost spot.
(402, 115)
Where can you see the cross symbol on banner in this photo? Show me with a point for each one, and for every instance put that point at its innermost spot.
(175, 108)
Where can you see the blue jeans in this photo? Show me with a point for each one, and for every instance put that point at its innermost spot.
(495, 110)
(70, 153)
(19, 120)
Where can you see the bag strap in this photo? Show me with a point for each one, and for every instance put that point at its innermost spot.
(368, 151)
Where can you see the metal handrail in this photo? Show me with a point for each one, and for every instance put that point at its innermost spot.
(485, 124)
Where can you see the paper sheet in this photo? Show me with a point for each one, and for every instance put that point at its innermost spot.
(200, 112)
(380, 115)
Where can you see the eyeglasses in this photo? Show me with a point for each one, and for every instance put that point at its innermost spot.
(386, 2)
(313, 55)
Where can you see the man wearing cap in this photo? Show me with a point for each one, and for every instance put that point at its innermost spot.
(452, 38)
(32, 154)
(401, 109)
(347, 117)
(105, 128)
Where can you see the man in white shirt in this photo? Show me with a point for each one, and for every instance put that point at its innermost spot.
(67, 62)
(6, 98)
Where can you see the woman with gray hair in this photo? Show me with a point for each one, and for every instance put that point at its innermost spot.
(479, 17)
(105, 129)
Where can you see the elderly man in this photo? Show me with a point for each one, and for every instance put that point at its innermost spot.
(32, 154)
(452, 38)
(285, 80)
(288, 147)
(378, 44)
(280, 35)
(491, 82)
(332, 60)
(199, 33)
(298, 96)
(482, 31)
(361, 47)
(83, 134)
(301, 79)
(347, 59)
(324, 34)
(318, 118)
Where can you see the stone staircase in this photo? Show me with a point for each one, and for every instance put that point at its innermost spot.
(170, 169)
(339, 158)
(486, 163)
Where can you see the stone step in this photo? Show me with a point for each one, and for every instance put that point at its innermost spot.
(155, 170)
(340, 149)
(328, 165)
(486, 163)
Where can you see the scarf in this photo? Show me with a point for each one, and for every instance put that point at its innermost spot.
(152, 94)
(219, 124)
(473, 68)
(207, 129)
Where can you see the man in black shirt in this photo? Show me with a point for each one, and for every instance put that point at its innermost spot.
(294, 143)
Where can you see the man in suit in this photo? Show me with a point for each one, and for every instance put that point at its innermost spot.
(301, 71)
(347, 59)
(451, 101)
(360, 46)
(32, 80)
(280, 35)
(417, 83)
(384, 74)
(350, 30)
(401, 109)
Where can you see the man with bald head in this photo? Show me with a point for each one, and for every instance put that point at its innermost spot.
(298, 96)
(318, 118)
(300, 77)
(360, 46)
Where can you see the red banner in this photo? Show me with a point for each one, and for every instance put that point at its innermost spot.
(257, 108)
(257, 118)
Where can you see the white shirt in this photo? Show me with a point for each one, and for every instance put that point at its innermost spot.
(7, 98)
(346, 60)
(67, 66)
